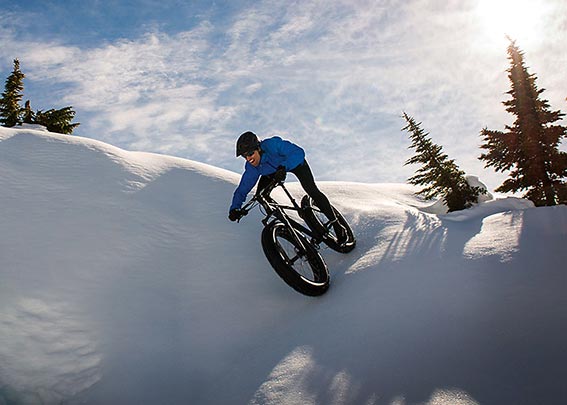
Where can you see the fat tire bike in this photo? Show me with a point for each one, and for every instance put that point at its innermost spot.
(293, 248)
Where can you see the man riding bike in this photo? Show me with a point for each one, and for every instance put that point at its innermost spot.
(269, 160)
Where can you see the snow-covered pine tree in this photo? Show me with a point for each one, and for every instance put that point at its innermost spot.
(10, 109)
(438, 173)
(529, 149)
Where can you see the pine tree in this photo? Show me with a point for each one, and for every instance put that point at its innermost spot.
(529, 149)
(28, 116)
(57, 120)
(440, 174)
(10, 109)
(11, 113)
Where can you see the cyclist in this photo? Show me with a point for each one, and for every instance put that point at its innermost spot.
(270, 159)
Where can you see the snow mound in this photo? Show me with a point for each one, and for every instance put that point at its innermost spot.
(122, 281)
(439, 207)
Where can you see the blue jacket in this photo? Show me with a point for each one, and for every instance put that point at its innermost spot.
(274, 152)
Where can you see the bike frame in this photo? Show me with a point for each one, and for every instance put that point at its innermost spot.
(275, 211)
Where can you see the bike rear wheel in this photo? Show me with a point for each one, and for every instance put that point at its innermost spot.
(306, 273)
(319, 223)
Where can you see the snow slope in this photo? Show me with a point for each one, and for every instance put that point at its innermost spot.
(123, 282)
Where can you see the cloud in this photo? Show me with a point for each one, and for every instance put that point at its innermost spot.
(333, 76)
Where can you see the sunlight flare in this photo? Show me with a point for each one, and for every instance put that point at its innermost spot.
(518, 19)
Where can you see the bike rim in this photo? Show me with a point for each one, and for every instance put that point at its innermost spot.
(325, 223)
(294, 259)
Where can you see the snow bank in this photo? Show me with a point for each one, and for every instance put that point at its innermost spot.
(122, 281)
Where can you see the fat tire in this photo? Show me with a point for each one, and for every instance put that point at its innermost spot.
(318, 281)
(310, 212)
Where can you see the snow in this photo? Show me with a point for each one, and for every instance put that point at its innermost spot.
(123, 282)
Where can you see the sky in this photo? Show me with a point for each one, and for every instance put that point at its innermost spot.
(185, 78)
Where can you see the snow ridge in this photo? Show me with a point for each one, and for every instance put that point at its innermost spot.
(122, 281)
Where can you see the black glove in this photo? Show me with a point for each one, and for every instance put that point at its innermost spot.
(235, 214)
(280, 174)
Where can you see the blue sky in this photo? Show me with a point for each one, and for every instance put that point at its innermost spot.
(185, 78)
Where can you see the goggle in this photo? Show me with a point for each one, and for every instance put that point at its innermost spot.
(248, 154)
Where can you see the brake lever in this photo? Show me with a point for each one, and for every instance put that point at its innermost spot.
(243, 213)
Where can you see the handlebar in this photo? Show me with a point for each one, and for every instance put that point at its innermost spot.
(265, 192)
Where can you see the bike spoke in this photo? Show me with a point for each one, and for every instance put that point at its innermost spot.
(298, 262)
(284, 253)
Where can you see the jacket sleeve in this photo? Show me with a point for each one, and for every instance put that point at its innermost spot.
(293, 154)
(247, 183)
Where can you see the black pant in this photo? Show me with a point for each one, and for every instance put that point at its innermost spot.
(305, 177)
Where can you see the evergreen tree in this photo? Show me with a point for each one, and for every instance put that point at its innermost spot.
(11, 113)
(529, 149)
(440, 174)
(10, 109)
(57, 120)
(28, 115)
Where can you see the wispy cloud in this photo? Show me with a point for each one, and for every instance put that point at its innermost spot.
(333, 76)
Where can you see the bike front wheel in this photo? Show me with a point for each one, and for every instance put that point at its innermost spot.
(305, 272)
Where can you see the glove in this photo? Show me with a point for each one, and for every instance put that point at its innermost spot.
(280, 174)
(235, 214)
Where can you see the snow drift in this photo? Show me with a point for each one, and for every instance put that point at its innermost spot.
(122, 281)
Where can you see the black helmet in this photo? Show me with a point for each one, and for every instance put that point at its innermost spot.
(247, 142)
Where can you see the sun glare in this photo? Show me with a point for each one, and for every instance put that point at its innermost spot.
(519, 19)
